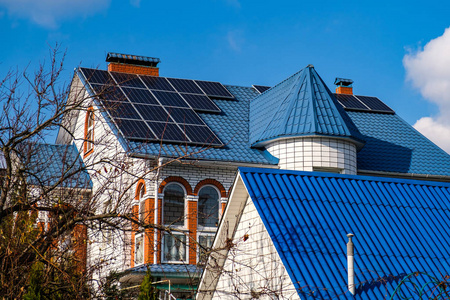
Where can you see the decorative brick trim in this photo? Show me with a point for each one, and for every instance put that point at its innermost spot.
(133, 69)
(210, 181)
(87, 152)
(192, 198)
(138, 188)
(344, 90)
(178, 179)
(80, 247)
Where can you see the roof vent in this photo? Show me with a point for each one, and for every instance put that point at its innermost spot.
(134, 64)
(344, 86)
(350, 264)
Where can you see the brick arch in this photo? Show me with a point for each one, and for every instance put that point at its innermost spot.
(177, 179)
(229, 190)
(217, 184)
(141, 182)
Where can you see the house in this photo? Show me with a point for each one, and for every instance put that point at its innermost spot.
(179, 143)
(291, 238)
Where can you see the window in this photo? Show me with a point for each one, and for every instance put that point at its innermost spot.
(174, 248)
(139, 253)
(140, 197)
(89, 132)
(208, 206)
(205, 243)
(173, 210)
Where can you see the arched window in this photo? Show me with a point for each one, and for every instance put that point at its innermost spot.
(173, 205)
(89, 131)
(208, 206)
(174, 245)
(140, 193)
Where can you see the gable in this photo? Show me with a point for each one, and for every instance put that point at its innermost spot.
(400, 228)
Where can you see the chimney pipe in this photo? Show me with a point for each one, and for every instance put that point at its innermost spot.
(350, 264)
(133, 64)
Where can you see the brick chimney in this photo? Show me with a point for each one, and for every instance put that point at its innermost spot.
(134, 64)
(344, 86)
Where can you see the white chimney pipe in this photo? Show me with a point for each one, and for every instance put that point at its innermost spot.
(350, 264)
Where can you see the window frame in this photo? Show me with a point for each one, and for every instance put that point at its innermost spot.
(89, 131)
(184, 244)
(199, 252)
(136, 237)
(184, 226)
(219, 208)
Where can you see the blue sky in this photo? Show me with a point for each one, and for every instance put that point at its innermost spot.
(397, 51)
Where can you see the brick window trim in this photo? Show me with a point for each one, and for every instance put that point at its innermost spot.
(176, 179)
(89, 112)
(210, 181)
(139, 184)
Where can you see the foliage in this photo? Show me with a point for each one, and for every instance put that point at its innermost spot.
(147, 288)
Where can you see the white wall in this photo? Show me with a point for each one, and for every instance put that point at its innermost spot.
(253, 267)
(306, 154)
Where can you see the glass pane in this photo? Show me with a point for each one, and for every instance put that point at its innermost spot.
(174, 247)
(174, 205)
(142, 212)
(205, 242)
(208, 207)
(139, 253)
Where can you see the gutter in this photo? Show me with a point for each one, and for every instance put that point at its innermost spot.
(417, 176)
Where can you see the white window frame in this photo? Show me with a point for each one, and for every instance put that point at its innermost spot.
(90, 131)
(219, 208)
(204, 233)
(141, 201)
(184, 226)
(136, 237)
(184, 244)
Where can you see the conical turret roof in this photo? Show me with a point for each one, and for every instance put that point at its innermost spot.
(301, 105)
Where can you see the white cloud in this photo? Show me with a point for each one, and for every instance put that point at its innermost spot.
(235, 39)
(428, 69)
(48, 13)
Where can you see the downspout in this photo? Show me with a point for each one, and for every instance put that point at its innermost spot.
(350, 264)
(155, 236)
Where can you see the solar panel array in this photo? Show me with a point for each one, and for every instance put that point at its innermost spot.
(363, 103)
(261, 88)
(157, 108)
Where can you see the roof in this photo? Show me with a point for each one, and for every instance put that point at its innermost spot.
(392, 145)
(168, 270)
(400, 227)
(302, 105)
(232, 127)
(59, 165)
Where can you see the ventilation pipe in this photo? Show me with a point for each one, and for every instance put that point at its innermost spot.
(155, 236)
(350, 264)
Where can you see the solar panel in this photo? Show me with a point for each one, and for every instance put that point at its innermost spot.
(152, 108)
(121, 110)
(375, 104)
(157, 83)
(200, 103)
(170, 99)
(184, 116)
(201, 134)
(152, 113)
(214, 89)
(350, 102)
(97, 76)
(125, 79)
(185, 86)
(134, 129)
(109, 92)
(261, 88)
(167, 131)
(140, 96)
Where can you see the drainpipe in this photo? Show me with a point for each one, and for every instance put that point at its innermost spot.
(350, 264)
(155, 236)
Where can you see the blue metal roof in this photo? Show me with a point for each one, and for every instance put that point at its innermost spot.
(392, 145)
(231, 126)
(301, 105)
(60, 165)
(400, 227)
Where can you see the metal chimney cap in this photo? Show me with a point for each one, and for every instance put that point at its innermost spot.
(310, 66)
(349, 235)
